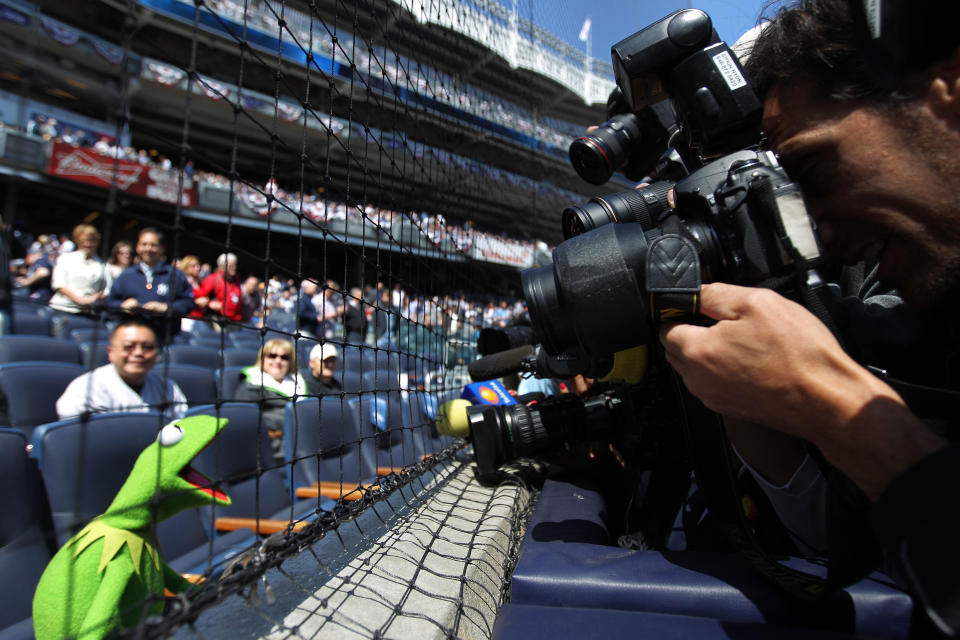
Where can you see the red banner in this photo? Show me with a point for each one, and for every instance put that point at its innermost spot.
(150, 181)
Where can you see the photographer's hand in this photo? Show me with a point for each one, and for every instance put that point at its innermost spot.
(770, 361)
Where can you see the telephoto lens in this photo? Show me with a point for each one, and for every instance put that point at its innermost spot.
(597, 155)
(642, 205)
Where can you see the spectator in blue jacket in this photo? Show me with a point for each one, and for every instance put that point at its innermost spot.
(153, 288)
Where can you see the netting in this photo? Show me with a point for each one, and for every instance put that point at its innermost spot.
(295, 217)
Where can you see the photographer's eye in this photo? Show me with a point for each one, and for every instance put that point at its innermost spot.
(170, 435)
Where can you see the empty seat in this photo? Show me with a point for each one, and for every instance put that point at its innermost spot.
(210, 341)
(197, 383)
(25, 542)
(34, 348)
(241, 459)
(93, 354)
(30, 324)
(239, 357)
(85, 462)
(63, 324)
(30, 391)
(190, 354)
(226, 381)
(89, 334)
(322, 441)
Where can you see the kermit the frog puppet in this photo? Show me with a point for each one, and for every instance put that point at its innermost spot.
(110, 574)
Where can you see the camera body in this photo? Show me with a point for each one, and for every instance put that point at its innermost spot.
(740, 217)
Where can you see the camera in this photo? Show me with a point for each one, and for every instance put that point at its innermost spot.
(633, 205)
(627, 142)
(738, 219)
(631, 415)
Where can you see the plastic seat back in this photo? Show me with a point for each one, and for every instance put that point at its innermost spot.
(197, 383)
(25, 543)
(31, 324)
(31, 391)
(239, 357)
(84, 462)
(208, 357)
(322, 442)
(20, 348)
(241, 458)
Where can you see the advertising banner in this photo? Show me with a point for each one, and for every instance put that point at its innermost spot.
(149, 181)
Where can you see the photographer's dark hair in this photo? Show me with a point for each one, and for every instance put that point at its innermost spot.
(828, 40)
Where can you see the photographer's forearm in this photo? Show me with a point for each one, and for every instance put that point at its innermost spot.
(773, 454)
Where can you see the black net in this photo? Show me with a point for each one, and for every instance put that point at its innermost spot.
(294, 216)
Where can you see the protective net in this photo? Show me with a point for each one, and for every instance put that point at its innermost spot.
(305, 212)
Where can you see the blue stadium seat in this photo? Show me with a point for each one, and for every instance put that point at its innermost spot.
(26, 324)
(31, 390)
(537, 622)
(191, 354)
(26, 545)
(241, 459)
(89, 334)
(245, 339)
(93, 354)
(197, 383)
(239, 357)
(322, 441)
(227, 380)
(85, 462)
(561, 565)
(63, 324)
(209, 341)
(359, 359)
(33, 348)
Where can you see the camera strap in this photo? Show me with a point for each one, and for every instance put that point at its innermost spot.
(673, 278)
(820, 602)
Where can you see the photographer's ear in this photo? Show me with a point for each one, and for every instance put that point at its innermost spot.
(944, 87)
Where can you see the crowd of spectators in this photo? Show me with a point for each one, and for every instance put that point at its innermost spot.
(271, 198)
(67, 273)
(401, 72)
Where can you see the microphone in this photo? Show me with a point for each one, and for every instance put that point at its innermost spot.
(501, 364)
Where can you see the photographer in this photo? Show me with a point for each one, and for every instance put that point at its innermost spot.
(879, 172)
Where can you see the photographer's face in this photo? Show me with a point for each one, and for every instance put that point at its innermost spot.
(877, 184)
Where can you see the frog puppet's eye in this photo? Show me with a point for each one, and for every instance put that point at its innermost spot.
(170, 435)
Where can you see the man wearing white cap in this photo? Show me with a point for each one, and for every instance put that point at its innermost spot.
(324, 359)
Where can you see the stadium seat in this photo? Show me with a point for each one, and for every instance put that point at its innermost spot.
(227, 380)
(26, 545)
(561, 566)
(89, 334)
(241, 459)
(94, 354)
(63, 324)
(190, 354)
(239, 357)
(34, 348)
(537, 622)
(322, 443)
(197, 383)
(25, 324)
(245, 339)
(358, 359)
(85, 462)
(31, 389)
(385, 417)
(209, 341)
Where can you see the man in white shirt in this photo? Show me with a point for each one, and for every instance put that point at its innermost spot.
(127, 382)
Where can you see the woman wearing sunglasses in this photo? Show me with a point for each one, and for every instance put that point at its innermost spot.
(273, 381)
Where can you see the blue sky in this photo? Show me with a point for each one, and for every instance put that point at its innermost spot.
(613, 20)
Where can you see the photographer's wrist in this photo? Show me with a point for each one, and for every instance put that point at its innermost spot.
(870, 434)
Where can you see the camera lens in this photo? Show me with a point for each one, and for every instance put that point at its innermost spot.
(597, 155)
(591, 298)
(634, 205)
